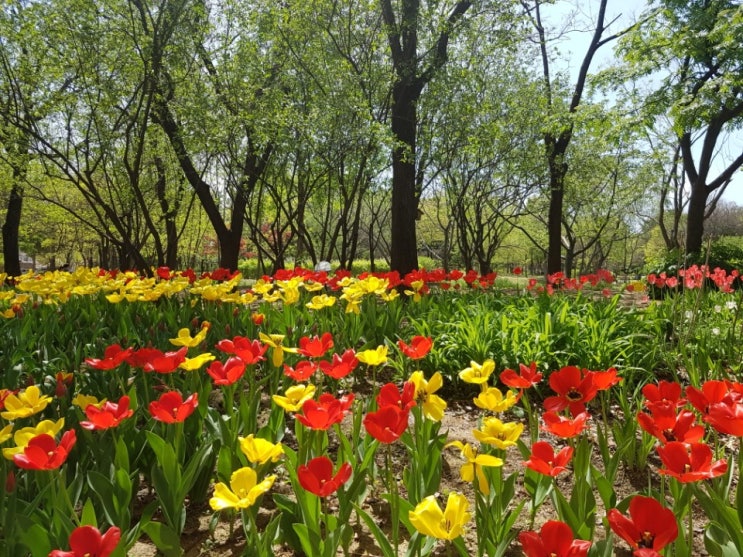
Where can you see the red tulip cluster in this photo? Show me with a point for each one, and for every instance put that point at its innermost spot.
(694, 277)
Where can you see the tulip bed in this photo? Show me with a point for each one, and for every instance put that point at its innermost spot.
(307, 411)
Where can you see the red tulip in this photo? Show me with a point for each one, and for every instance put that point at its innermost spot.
(315, 347)
(389, 394)
(726, 417)
(665, 392)
(249, 351)
(257, 318)
(138, 358)
(544, 460)
(665, 425)
(109, 415)
(302, 371)
(317, 476)
(644, 552)
(386, 424)
(649, 525)
(228, 373)
(689, 462)
(574, 389)
(418, 348)
(161, 362)
(170, 408)
(340, 366)
(43, 453)
(564, 427)
(164, 273)
(62, 380)
(324, 413)
(527, 377)
(87, 541)
(603, 380)
(555, 539)
(113, 357)
(711, 392)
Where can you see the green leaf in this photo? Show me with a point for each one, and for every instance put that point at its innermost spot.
(718, 543)
(311, 543)
(606, 491)
(290, 514)
(165, 538)
(87, 516)
(384, 543)
(121, 458)
(101, 486)
(35, 538)
(538, 486)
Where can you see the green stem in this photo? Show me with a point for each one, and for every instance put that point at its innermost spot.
(691, 528)
(394, 507)
(482, 515)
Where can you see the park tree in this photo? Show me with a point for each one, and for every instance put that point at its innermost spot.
(694, 52)
(30, 83)
(93, 130)
(215, 75)
(338, 141)
(418, 37)
(478, 141)
(562, 101)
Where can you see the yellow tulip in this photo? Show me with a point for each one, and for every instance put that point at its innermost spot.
(321, 301)
(473, 466)
(312, 286)
(192, 364)
(433, 405)
(495, 432)
(260, 451)
(277, 349)
(242, 492)
(6, 433)
(476, 373)
(390, 295)
(373, 357)
(25, 404)
(262, 287)
(184, 337)
(429, 520)
(492, 400)
(417, 286)
(83, 401)
(295, 397)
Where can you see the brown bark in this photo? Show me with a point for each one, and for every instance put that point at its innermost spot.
(410, 79)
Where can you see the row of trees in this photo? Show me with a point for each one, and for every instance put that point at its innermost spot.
(158, 132)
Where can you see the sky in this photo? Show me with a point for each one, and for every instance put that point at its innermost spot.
(575, 41)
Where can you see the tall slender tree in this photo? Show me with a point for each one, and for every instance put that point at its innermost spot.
(558, 136)
(414, 68)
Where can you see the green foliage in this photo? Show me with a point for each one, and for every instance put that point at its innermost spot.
(553, 331)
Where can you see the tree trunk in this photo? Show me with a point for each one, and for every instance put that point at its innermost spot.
(12, 223)
(695, 218)
(411, 76)
(558, 169)
(404, 248)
